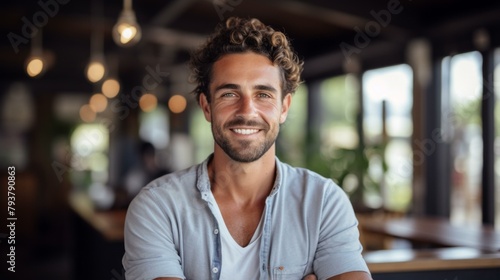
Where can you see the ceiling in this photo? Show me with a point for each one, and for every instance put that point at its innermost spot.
(171, 29)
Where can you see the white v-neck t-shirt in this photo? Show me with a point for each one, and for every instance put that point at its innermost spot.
(237, 262)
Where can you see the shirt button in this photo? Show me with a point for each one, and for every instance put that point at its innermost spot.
(216, 231)
(215, 270)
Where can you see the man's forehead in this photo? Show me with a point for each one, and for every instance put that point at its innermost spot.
(243, 68)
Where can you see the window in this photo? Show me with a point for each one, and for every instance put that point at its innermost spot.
(462, 90)
(340, 155)
(89, 144)
(340, 104)
(387, 123)
(89, 162)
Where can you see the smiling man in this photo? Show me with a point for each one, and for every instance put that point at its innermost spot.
(243, 214)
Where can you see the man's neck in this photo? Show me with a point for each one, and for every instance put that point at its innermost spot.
(245, 184)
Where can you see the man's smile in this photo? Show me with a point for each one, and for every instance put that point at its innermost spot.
(245, 131)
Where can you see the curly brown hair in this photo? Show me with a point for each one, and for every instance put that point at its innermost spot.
(239, 35)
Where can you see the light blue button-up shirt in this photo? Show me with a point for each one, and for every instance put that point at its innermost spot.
(309, 227)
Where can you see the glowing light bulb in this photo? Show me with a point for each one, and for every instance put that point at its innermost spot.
(34, 67)
(95, 71)
(126, 31)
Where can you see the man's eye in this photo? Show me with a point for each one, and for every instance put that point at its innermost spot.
(264, 95)
(227, 94)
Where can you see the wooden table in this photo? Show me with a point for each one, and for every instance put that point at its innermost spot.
(435, 231)
(109, 224)
(405, 260)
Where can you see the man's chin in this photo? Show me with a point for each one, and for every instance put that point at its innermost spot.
(243, 158)
(246, 154)
(244, 151)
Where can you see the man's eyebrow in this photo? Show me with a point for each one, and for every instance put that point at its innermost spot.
(266, 87)
(237, 87)
(227, 86)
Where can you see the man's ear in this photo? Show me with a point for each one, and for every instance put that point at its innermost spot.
(287, 101)
(205, 107)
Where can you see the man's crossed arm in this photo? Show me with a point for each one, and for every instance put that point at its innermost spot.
(354, 275)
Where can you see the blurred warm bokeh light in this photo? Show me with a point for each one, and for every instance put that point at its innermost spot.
(98, 102)
(34, 67)
(110, 88)
(148, 102)
(177, 104)
(87, 114)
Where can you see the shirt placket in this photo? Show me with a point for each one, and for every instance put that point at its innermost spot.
(217, 255)
(266, 241)
(216, 262)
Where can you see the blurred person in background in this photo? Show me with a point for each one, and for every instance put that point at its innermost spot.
(145, 171)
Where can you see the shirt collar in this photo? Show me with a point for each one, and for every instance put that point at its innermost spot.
(203, 181)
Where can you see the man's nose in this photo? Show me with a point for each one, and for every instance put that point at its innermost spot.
(247, 107)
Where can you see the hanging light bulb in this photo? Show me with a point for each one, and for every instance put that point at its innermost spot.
(111, 85)
(35, 64)
(126, 31)
(96, 69)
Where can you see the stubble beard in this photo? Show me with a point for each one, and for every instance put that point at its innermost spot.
(245, 151)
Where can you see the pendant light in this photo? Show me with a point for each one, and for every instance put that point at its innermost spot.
(96, 69)
(111, 85)
(126, 31)
(35, 64)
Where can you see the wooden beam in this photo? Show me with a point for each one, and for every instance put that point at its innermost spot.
(170, 12)
(169, 37)
(462, 24)
(340, 19)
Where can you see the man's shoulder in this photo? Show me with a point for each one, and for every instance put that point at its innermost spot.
(174, 178)
(171, 184)
(176, 191)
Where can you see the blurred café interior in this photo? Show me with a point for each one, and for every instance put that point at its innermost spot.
(399, 106)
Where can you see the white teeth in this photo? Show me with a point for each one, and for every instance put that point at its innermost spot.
(245, 131)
